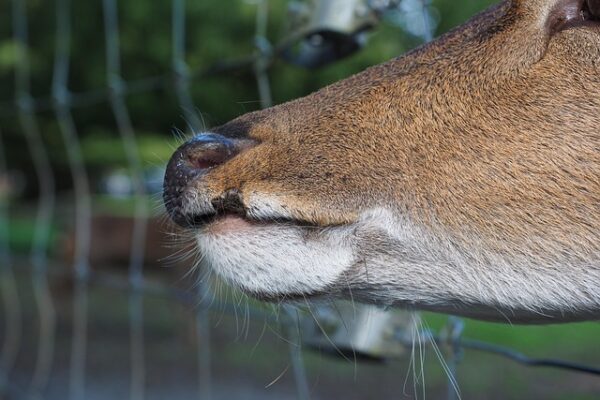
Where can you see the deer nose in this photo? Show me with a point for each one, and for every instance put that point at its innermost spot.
(189, 162)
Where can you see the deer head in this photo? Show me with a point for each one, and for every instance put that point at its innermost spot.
(462, 177)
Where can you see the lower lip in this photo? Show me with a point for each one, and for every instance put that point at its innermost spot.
(229, 224)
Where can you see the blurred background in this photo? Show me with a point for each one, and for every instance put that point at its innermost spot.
(99, 297)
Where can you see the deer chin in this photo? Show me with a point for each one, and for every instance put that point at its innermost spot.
(275, 259)
(386, 259)
(279, 259)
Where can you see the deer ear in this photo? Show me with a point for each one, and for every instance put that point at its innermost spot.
(572, 13)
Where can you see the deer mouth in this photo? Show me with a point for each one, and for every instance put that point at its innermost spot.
(273, 258)
(229, 209)
(234, 224)
(215, 223)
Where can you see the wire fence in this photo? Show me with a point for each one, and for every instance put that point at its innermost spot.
(62, 103)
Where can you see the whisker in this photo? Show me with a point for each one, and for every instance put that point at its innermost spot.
(278, 377)
(324, 332)
(444, 365)
(260, 337)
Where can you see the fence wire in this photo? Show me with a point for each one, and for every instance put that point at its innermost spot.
(62, 102)
(10, 296)
(46, 202)
(182, 89)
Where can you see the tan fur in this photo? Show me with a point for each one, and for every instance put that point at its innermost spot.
(497, 133)
(489, 136)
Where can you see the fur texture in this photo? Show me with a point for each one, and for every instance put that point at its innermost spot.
(463, 177)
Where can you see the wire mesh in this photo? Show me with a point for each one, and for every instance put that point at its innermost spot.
(125, 129)
(182, 89)
(61, 102)
(10, 296)
(45, 210)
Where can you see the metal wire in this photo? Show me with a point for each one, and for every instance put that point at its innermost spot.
(203, 343)
(10, 296)
(291, 328)
(180, 68)
(525, 360)
(182, 89)
(45, 209)
(125, 128)
(83, 211)
(264, 55)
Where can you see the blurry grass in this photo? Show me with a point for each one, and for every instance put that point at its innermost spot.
(21, 225)
(21, 230)
(479, 372)
(101, 149)
(123, 206)
(263, 354)
(480, 375)
(533, 340)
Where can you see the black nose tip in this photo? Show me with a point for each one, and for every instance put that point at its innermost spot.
(191, 160)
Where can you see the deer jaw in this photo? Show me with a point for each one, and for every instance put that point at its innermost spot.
(461, 177)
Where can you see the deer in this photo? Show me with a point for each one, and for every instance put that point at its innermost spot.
(462, 177)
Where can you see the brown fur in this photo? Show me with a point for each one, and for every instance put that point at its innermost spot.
(489, 135)
(493, 129)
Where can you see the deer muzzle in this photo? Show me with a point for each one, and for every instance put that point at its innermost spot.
(187, 167)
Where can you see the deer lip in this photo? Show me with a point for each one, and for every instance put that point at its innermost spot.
(210, 221)
(228, 223)
(206, 220)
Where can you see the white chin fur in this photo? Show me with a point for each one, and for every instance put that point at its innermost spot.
(275, 260)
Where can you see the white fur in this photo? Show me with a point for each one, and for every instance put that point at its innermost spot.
(277, 259)
(394, 261)
(433, 272)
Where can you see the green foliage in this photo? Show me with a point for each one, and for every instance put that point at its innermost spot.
(126, 206)
(9, 51)
(100, 148)
(454, 13)
(21, 232)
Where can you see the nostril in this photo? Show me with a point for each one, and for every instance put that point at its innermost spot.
(209, 152)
